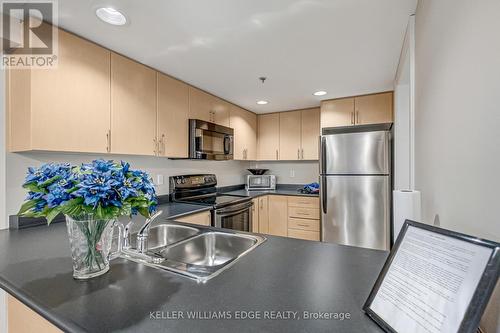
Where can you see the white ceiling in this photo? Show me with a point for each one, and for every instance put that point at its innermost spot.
(346, 47)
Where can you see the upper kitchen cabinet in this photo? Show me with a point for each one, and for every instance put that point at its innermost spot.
(373, 109)
(299, 134)
(359, 110)
(221, 111)
(337, 112)
(173, 115)
(268, 137)
(133, 107)
(310, 132)
(289, 135)
(62, 109)
(207, 107)
(244, 124)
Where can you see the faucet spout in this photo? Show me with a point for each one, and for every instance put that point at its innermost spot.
(142, 235)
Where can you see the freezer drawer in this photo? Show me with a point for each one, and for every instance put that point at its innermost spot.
(355, 210)
(355, 153)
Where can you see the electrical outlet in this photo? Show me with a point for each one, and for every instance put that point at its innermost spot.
(159, 180)
(292, 173)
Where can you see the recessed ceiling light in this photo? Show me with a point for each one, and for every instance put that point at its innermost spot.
(111, 16)
(319, 93)
(262, 102)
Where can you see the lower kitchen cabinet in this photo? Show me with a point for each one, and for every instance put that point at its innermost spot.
(278, 215)
(288, 216)
(22, 319)
(303, 234)
(203, 218)
(255, 215)
(264, 214)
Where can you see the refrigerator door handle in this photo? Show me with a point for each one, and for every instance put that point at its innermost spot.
(322, 154)
(323, 192)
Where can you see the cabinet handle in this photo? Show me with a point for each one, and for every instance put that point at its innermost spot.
(162, 147)
(155, 145)
(108, 141)
(277, 154)
(302, 225)
(302, 153)
(352, 118)
(356, 119)
(298, 154)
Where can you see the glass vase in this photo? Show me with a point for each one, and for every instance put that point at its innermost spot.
(90, 241)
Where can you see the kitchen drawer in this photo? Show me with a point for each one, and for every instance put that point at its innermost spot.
(304, 202)
(303, 234)
(304, 213)
(303, 224)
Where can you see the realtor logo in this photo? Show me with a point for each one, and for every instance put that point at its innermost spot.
(29, 34)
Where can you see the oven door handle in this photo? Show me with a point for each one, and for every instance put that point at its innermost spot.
(225, 212)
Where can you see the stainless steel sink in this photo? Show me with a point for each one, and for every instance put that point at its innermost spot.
(198, 253)
(163, 235)
(209, 249)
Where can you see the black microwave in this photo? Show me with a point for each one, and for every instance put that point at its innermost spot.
(209, 141)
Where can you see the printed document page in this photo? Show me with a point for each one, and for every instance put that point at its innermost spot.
(430, 282)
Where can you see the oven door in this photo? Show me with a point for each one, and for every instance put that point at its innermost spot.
(236, 217)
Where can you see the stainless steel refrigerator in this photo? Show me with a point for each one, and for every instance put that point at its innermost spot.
(355, 186)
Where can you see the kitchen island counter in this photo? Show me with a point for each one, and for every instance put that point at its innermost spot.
(278, 276)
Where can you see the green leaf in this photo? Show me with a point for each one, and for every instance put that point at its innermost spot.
(50, 181)
(28, 205)
(33, 187)
(52, 214)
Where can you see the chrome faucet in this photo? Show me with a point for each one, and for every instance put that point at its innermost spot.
(142, 235)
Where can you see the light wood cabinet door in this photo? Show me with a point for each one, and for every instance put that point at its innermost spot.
(255, 215)
(220, 111)
(278, 216)
(310, 133)
(173, 115)
(65, 108)
(203, 218)
(207, 107)
(22, 319)
(268, 137)
(374, 109)
(303, 234)
(264, 214)
(133, 107)
(244, 124)
(337, 112)
(290, 129)
(200, 104)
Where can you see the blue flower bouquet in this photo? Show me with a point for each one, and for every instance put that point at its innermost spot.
(92, 197)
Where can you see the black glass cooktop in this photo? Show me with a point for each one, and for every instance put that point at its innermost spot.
(214, 200)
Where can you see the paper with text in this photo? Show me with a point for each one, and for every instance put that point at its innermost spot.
(430, 282)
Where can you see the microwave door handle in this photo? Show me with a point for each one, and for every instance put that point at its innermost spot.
(226, 144)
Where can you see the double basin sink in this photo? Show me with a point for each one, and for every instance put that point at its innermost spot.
(196, 252)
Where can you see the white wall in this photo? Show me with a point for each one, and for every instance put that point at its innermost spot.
(458, 119)
(302, 172)
(228, 172)
(3, 221)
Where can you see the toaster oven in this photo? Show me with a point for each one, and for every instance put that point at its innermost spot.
(261, 182)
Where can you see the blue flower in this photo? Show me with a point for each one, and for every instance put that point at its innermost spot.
(57, 195)
(46, 172)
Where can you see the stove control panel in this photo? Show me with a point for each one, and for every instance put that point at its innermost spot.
(192, 181)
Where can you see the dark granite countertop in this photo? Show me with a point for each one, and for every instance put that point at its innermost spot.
(282, 274)
(281, 189)
(172, 210)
